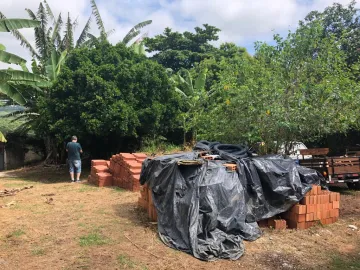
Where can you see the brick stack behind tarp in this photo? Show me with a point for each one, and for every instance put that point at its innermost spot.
(126, 169)
(145, 202)
(318, 206)
(99, 174)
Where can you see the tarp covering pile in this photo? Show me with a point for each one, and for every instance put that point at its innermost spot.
(207, 211)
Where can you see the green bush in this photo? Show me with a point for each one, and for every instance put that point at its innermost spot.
(111, 98)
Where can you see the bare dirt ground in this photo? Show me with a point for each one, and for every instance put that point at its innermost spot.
(84, 227)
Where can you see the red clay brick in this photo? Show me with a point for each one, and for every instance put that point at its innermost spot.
(309, 224)
(297, 225)
(140, 155)
(96, 162)
(299, 209)
(310, 217)
(311, 208)
(263, 223)
(127, 156)
(305, 200)
(336, 205)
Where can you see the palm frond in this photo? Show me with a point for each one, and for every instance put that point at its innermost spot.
(41, 40)
(92, 41)
(11, 58)
(201, 80)
(177, 90)
(109, 33)
(99, 21)
(19, 75)
(31, 14)
(49, 11)
(23, 40)
(135, 31)
(68, 41)
(57, 29)
(12, 93)
(130, 36)
(84, 34)
(7, 25)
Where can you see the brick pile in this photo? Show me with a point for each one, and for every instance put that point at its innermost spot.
(100, 175)
(318, 206)
(146, 202)
(126, 169)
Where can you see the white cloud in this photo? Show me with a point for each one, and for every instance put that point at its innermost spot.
(241, 21)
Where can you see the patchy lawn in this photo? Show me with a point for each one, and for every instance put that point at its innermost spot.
(59, 225)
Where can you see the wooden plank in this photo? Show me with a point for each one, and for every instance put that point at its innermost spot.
(314, 152)
(344, 165)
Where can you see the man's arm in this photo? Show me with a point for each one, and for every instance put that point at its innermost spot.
(67, 149)
(81, 151)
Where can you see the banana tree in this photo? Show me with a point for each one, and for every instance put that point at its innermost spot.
(12, 80)
(2, 138)
(49, 35)
(134, 32)
(195, 96)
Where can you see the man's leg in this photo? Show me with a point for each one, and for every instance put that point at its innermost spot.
(78, 169)
(71, 170)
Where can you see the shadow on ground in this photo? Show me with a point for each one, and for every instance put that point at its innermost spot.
(43, 174)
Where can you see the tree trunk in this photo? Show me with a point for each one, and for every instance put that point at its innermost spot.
(51, 151)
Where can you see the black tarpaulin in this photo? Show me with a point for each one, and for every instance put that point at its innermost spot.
(207, 211)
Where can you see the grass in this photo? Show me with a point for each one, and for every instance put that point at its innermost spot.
(159, 147)
(126, 263)
(38, 252)
(92, 239)
(340, 263)
(19, 185)
(117, 189)
(87, 188)
(16, 233)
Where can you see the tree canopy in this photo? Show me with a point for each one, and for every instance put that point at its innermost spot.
(109, 95)
(182, 50)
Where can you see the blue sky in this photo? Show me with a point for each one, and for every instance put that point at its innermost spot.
(242, 21)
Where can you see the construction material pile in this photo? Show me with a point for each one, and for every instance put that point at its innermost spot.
(145, 202)
(123, 170)
(126, 169)
(207, 208)
(318, 206)
(100, 174)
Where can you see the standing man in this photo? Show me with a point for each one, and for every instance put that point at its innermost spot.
(74, 149)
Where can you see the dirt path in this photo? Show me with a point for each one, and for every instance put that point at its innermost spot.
(85, 227)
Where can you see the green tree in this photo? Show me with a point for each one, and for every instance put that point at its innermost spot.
(196, 98)
(182, 50)
(111, 98)
(299, 89)
(342, 23)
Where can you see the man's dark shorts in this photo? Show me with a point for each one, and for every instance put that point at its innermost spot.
(75, 166)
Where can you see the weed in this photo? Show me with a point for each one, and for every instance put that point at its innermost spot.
(339, 263)
(93, 239)
(16, 233)
(38, 252)
(125, 261)
(117, 189)
(87, 188)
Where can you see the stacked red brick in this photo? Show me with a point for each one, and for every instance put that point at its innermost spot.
(146, 202)
(126, 169)
(317, 206)
(99, 174)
